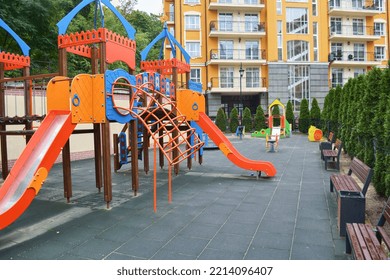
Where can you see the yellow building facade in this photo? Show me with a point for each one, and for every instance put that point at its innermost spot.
(249, 52)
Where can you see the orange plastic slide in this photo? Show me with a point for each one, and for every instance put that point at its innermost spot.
(230, 152)
(31, 168)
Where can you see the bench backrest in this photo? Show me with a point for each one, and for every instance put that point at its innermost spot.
(331, 137)
(338, 146)
(385, 217)
(362, 171)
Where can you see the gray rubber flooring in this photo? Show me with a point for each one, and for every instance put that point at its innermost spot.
(218, 211)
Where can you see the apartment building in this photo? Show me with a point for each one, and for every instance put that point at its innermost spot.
(249, 52)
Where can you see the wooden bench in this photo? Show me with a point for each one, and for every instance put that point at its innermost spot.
(333, 155)
(327, 145)
(365, 243)
(345, 182)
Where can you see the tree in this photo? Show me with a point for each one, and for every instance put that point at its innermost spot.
(247, 119)
(221, 120)
(304, 116)
(259, 119)
(315, 113)
(290, 117)
(326, 111)
(334, 113)
(234, 120)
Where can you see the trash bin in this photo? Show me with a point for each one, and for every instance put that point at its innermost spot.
(351, 209)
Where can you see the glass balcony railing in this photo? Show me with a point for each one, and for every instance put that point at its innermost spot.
(233, 83)
(237, 26)
(238, 54)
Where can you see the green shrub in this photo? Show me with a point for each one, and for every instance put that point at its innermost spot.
(276, 115)
(315, 113)
(259, 119)
(304, 116)
(221, 120)
(247, 119)
(234, 120)
(290, 117)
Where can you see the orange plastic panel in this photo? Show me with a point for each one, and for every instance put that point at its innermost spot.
(87, 99)
(14, 61)
(38, 179)
(58, 93)
(190, 103)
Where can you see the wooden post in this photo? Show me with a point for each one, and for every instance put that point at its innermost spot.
(27, 100)
(175, 133)
(3, 127)
(97, 141)
(66, 166)
(134, 156)
(106, 139)
(189, 158)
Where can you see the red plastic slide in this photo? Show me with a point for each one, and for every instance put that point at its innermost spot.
(31, 168)
(228, 149)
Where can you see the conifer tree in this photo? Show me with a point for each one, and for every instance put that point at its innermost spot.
(290, 114)
(221, 120)
(234, 120)
(326, 111)
(247, 119)
(315, 113)
(304, 116)
(276, 115)
(259, 119)
(334, 114)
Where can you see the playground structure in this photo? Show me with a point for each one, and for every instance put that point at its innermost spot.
(314, 134)
(278, 126)
(148, 105)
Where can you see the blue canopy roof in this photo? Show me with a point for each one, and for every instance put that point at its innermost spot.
(65, 21)
(165, 34)
(23, 46)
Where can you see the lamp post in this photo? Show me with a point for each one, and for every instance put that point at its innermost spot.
(241, 105)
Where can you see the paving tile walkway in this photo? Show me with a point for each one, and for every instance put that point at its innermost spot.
(219, 211)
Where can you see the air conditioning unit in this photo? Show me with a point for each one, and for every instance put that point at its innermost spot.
(214, 56)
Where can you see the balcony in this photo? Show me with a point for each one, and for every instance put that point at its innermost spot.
(353, 33)
(230, 29)
(237, 56)
(354, 8)
(353, 58)
(234, 5)
(232, 85)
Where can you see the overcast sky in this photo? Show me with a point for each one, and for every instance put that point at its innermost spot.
(150, 6)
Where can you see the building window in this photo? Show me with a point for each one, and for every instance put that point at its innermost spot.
(192, 22)
(379, 28)
(334, 3)
(225, 1)
(335, 25)
(227, 74)
(379, 53)
(225, 22)
(358, 26)
(297, 50)
(254, 2)
(280, 40)
(193, 49)
(337, 77)
(252, 77)
(251, 22)
(315, 41)
(278, 7)
(379, 5)
(195, 75)
(251, 50)
(359, 71)
(337, 50)
(314, 7)
(357, 4)
(358, 52)
(171, 12)
(303, 1)
(226, 49)
(299, 85)
(297, 21)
